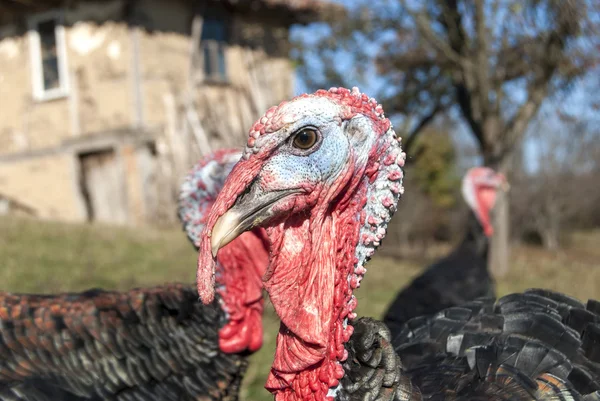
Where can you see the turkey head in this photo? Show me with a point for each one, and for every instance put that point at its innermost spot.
(240, 265)
(480, 188)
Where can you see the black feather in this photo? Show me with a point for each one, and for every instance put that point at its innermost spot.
(578, 319)
(545, 328)
(584, 380)
(562, 299)
(155, 343)
(591, 342)
(593, 306)
(536, 345)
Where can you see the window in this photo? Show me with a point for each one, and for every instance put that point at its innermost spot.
(48, 56)
(213, 42)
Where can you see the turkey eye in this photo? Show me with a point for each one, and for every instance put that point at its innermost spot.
(305, 139)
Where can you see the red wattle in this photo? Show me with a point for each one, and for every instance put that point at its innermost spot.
(205, 274)
(486, 199)
(242, 264)
(242, 335)
(309, 288)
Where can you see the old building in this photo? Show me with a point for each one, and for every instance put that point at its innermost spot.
(104, 104)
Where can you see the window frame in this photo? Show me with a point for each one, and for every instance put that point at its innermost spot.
(214, 47)
(35, 50)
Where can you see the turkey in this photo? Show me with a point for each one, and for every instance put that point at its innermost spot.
(156, 343)
(152, 343)
(322, 174)
(463, 275)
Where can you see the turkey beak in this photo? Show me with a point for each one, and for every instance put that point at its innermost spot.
(227, 228)
(248, 212)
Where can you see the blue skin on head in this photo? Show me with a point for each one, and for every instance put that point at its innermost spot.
(289, 169)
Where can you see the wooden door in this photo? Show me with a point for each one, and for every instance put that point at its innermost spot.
(103, 187)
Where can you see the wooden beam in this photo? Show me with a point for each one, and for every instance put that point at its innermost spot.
(74, 105)
(136, 78)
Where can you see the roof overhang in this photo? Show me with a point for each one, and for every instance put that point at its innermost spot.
(287, 11)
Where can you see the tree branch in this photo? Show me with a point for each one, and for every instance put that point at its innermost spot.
(464, 100)
(451, 19)
(537, 91)
(482, 58)
(463, 83)
(424, 26)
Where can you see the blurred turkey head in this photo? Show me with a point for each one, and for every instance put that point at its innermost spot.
(240, 265)
(480, 187)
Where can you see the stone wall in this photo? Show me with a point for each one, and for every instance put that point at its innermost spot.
(109, 93)
(46, 184)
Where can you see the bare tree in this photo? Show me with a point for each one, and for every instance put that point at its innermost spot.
(560, 189)
(490, 63)
(496, 61)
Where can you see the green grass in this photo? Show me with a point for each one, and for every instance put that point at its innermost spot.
(51, 257)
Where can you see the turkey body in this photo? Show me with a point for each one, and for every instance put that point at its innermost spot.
(154, 343)
(460, 277)
(536, 345)
(463, 275)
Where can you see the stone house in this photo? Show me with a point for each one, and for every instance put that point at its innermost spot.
(104, 104)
